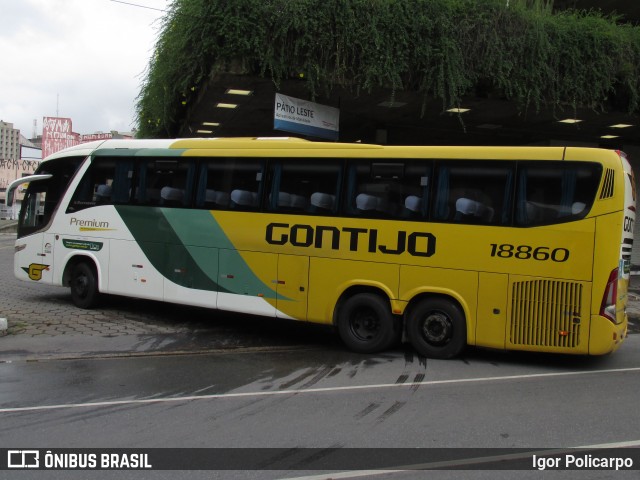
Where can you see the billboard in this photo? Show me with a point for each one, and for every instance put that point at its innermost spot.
(307, 118)
(57, 133)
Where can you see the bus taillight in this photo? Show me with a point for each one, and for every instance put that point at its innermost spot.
(608, 308)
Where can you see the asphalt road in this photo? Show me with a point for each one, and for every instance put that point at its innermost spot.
(325, 398)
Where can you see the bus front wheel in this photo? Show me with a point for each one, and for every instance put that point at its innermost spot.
(437, 329)
(84, 285)
(366, 324)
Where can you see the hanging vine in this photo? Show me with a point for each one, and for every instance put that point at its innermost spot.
(440, 48)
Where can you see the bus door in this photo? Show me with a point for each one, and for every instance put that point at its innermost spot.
(293, 285)
(35, 250)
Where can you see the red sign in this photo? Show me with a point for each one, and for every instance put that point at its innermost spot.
(57, 133)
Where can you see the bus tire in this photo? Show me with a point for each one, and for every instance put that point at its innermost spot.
(366, 324)
(436, 328)
(84, 285)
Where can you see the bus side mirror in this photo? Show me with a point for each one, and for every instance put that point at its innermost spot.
(8, 201)
(11, 188)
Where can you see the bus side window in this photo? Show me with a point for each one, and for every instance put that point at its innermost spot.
(392, 189)
(107, 181)
(473, 192)
(415, 190)
(555, 192)
(147, 192)
(229, 183)
(371, 195)
(244, 181)
(300, 186)
(164, 182)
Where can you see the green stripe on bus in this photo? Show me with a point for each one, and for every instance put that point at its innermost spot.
(160, 244)
(199, 227)
(159, 153)
(183, 245)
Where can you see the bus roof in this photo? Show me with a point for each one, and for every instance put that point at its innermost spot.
(249, 146)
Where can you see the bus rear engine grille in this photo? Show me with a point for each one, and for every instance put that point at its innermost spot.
(546, 313)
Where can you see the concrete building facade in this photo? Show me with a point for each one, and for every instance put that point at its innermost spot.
(18, 158)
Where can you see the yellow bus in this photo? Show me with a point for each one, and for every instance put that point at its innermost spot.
(517, 248)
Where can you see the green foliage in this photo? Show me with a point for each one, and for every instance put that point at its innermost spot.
(441, 48)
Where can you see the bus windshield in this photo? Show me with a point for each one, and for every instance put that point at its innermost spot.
(42, 196)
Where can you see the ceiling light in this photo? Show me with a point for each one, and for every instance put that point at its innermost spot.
(210, 124)
(458, 110)
(208, 132)
(226, 105)
(235, 91)
(620, 125)
(609, 136)
(570, 120)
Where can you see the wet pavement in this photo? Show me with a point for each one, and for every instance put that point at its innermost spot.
(43, 322)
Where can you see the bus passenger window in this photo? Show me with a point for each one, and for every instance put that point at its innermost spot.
(107, 181)
(415, 185)
(229, 183)
(388, 190)
(374, 190)
(555, 192)
(474, 192)
(164, 182)
(301, 186)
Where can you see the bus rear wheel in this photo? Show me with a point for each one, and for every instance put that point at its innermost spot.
(366, 324)
(436, 328)
(84, 285)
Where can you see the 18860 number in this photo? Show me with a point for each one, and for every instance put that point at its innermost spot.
(527, 252)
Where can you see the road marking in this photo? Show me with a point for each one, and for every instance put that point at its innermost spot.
(466, 461)
(267, 393)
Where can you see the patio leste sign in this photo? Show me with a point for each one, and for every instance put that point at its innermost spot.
(307, 118)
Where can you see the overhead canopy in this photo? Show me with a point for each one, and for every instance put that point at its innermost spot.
(394, 69)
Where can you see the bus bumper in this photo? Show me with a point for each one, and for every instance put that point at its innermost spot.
(604, 336)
